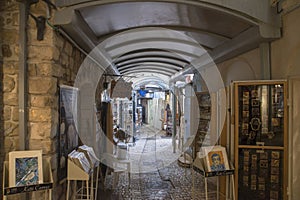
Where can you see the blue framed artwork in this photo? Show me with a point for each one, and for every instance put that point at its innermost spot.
(25, 168)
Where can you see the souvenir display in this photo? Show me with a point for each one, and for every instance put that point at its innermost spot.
(261, 135)
(261, 110)
(259, 171)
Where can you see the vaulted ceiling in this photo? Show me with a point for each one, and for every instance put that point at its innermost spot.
(154, 41)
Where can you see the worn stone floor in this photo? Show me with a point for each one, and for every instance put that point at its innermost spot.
(156, 173)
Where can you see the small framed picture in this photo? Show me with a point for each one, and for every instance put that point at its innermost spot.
(245, 126)
(274, 195)
(252, 135)
(274, 179)
(271, 135)
(261, 180)
(263, 155)
(255, 112)
(245, 113)
(262, 195)
(253, 178)
(245, 101)
(253, 187)
(275, 154)
(264, 131)
(275, 170)
(254, 157)
(255, 102)
(275, 163)
(264, 172)
(216, 158)
(245, 132)
(245, 107)
(246, 119)
(254, 93)
(25, 168)
(275, 121)
(246, 153)
(263, 163)
(261, 187)
(246, 95)
(246, 181)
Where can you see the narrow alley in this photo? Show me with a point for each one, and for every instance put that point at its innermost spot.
(157, 180)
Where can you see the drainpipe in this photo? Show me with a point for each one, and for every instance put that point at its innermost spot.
(265, 61)
(23, 81)
(174, 111)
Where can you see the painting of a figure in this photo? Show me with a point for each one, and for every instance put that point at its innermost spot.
(216, 159)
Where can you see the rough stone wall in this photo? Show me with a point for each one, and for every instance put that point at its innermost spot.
(8, 79)
(51, 62)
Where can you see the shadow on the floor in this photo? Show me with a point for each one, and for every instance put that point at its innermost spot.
(108, 194)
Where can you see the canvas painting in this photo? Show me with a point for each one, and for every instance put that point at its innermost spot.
(216, 159)
(25, 168)
(68, 133)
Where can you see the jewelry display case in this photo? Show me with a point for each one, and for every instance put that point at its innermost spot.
(261, 139)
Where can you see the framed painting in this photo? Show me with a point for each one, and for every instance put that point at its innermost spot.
(25, 168)
(68, 127)
(216, 159)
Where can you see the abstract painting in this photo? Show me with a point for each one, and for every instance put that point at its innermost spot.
(25, 168)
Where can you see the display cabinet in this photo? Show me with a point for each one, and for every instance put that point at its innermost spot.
(260, 139)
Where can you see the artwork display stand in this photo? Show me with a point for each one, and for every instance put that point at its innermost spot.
(47, 185)
(88, 188)
(199, 167)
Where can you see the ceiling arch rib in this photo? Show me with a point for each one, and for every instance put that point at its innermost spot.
(147, 33)
(158, 64)
(140, 77)
(154, 52)
(158, 68)
(174, 44)
(142, 83)
(207, 39)
(176, 48)
(172, 61)
(153, 71)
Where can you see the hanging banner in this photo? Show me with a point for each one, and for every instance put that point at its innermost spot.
(68, 127)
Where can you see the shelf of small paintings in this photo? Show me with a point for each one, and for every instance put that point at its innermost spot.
(261, 114)
(260, 174)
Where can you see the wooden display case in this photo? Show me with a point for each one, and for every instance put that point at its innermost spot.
(260, 139)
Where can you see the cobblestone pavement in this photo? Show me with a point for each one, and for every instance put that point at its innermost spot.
(156, 174)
